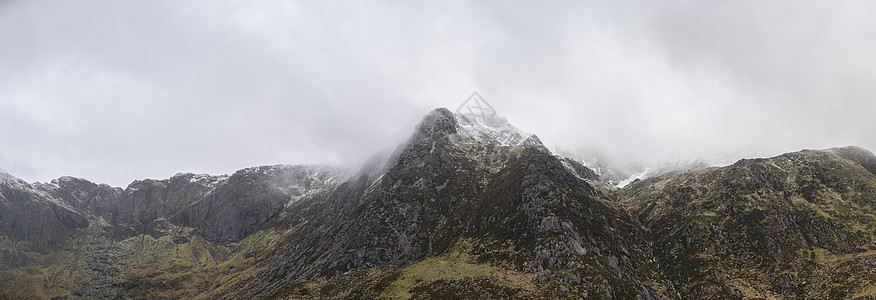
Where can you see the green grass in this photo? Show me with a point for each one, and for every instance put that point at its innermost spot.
(454, 264)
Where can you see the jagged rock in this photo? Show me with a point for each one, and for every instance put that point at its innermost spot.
(544, 277)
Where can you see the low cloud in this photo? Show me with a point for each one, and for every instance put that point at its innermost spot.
(116, 91)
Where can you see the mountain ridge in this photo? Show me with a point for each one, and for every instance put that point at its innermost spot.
(468, 208)
(782, 220)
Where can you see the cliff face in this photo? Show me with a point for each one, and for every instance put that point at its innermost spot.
(29, 215)
(220, 208)
(59, 238)
(467, 208)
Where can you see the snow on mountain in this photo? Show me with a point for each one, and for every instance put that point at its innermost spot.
(664, 168)
(622, 174)
(609, 170)
(494, 129)
(639, 176)
(472, 130)
(14, 182)
(6, 176)
(21, 186)
(205, 179)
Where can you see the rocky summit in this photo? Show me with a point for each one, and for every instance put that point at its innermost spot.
(468, 208)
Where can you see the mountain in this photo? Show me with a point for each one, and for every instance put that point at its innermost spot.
(479, 193)
(468, 208)
(63, 237)
(799, 225)
(30, 215)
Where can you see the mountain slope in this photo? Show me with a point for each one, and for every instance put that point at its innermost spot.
(797, 225)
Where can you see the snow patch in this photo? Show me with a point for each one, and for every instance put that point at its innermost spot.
(571, 169)
(627, 181)
(493, 130)
(207, 180)
(374, 184)
(39, 194)
(315, 179)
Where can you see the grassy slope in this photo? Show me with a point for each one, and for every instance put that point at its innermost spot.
(152, 268)
(455, 274)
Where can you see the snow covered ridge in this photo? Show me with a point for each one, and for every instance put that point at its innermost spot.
(38, 194)
(202, 179)
(12, 181)
(5, 176)
(496, 130)
(301, 181)
(297, 181)
(620, 175)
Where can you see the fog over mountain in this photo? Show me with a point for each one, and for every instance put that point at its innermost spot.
(116, 91)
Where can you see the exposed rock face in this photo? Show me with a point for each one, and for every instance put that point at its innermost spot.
(777, 227)
(221, 208)
(250, 197)
(83, 195)
(28, 215)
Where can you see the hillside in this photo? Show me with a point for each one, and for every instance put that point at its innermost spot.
(799, 225)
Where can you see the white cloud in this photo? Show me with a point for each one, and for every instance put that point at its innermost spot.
(115, 91)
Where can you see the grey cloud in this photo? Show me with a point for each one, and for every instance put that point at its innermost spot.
(116, 91)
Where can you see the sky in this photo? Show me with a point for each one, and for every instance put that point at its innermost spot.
(115, 91)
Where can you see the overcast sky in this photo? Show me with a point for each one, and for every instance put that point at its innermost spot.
(115, 91)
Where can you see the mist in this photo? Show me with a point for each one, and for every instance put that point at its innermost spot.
(116, 91)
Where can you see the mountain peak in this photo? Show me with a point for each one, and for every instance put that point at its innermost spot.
(496, 130)
(859, 155)
(438, 121)
(4, 176)
(484, 129)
